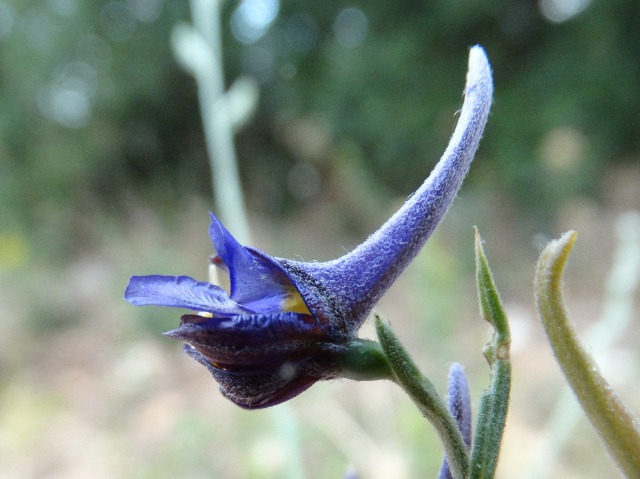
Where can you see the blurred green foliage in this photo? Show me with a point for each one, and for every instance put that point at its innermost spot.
(566, 97)
(93, 105)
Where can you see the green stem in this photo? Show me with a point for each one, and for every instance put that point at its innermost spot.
(491, 421)
(612, 419)
(494, 402)
(364, 360)
(426, 398)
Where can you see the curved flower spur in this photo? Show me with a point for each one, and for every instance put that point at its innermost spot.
(283, 325)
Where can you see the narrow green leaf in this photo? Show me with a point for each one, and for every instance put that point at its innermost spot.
(491, 305)
(494, 401)
(422, 392)
(611, 418)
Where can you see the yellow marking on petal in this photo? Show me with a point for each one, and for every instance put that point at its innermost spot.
(204, 314)
(294, 303)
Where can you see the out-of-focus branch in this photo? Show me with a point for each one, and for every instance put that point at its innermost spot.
(199, 49)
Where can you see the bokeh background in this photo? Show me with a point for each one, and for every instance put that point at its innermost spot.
(104, 174)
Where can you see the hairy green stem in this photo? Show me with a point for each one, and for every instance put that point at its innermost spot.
(422, 392)
(611, 418)
(364, 360)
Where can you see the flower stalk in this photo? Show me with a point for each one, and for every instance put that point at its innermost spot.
(364, 360)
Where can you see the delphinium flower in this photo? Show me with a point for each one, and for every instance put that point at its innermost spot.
(282, 325)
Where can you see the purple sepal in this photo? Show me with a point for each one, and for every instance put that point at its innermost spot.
(270, 387)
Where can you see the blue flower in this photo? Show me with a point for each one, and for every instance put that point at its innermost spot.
(282, 324)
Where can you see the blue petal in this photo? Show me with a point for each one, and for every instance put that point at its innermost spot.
(180, 292)
(257, 281)
(268, 327)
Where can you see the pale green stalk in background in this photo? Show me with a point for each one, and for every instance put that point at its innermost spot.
(198, 48)
(615, 319)
(611, 418)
